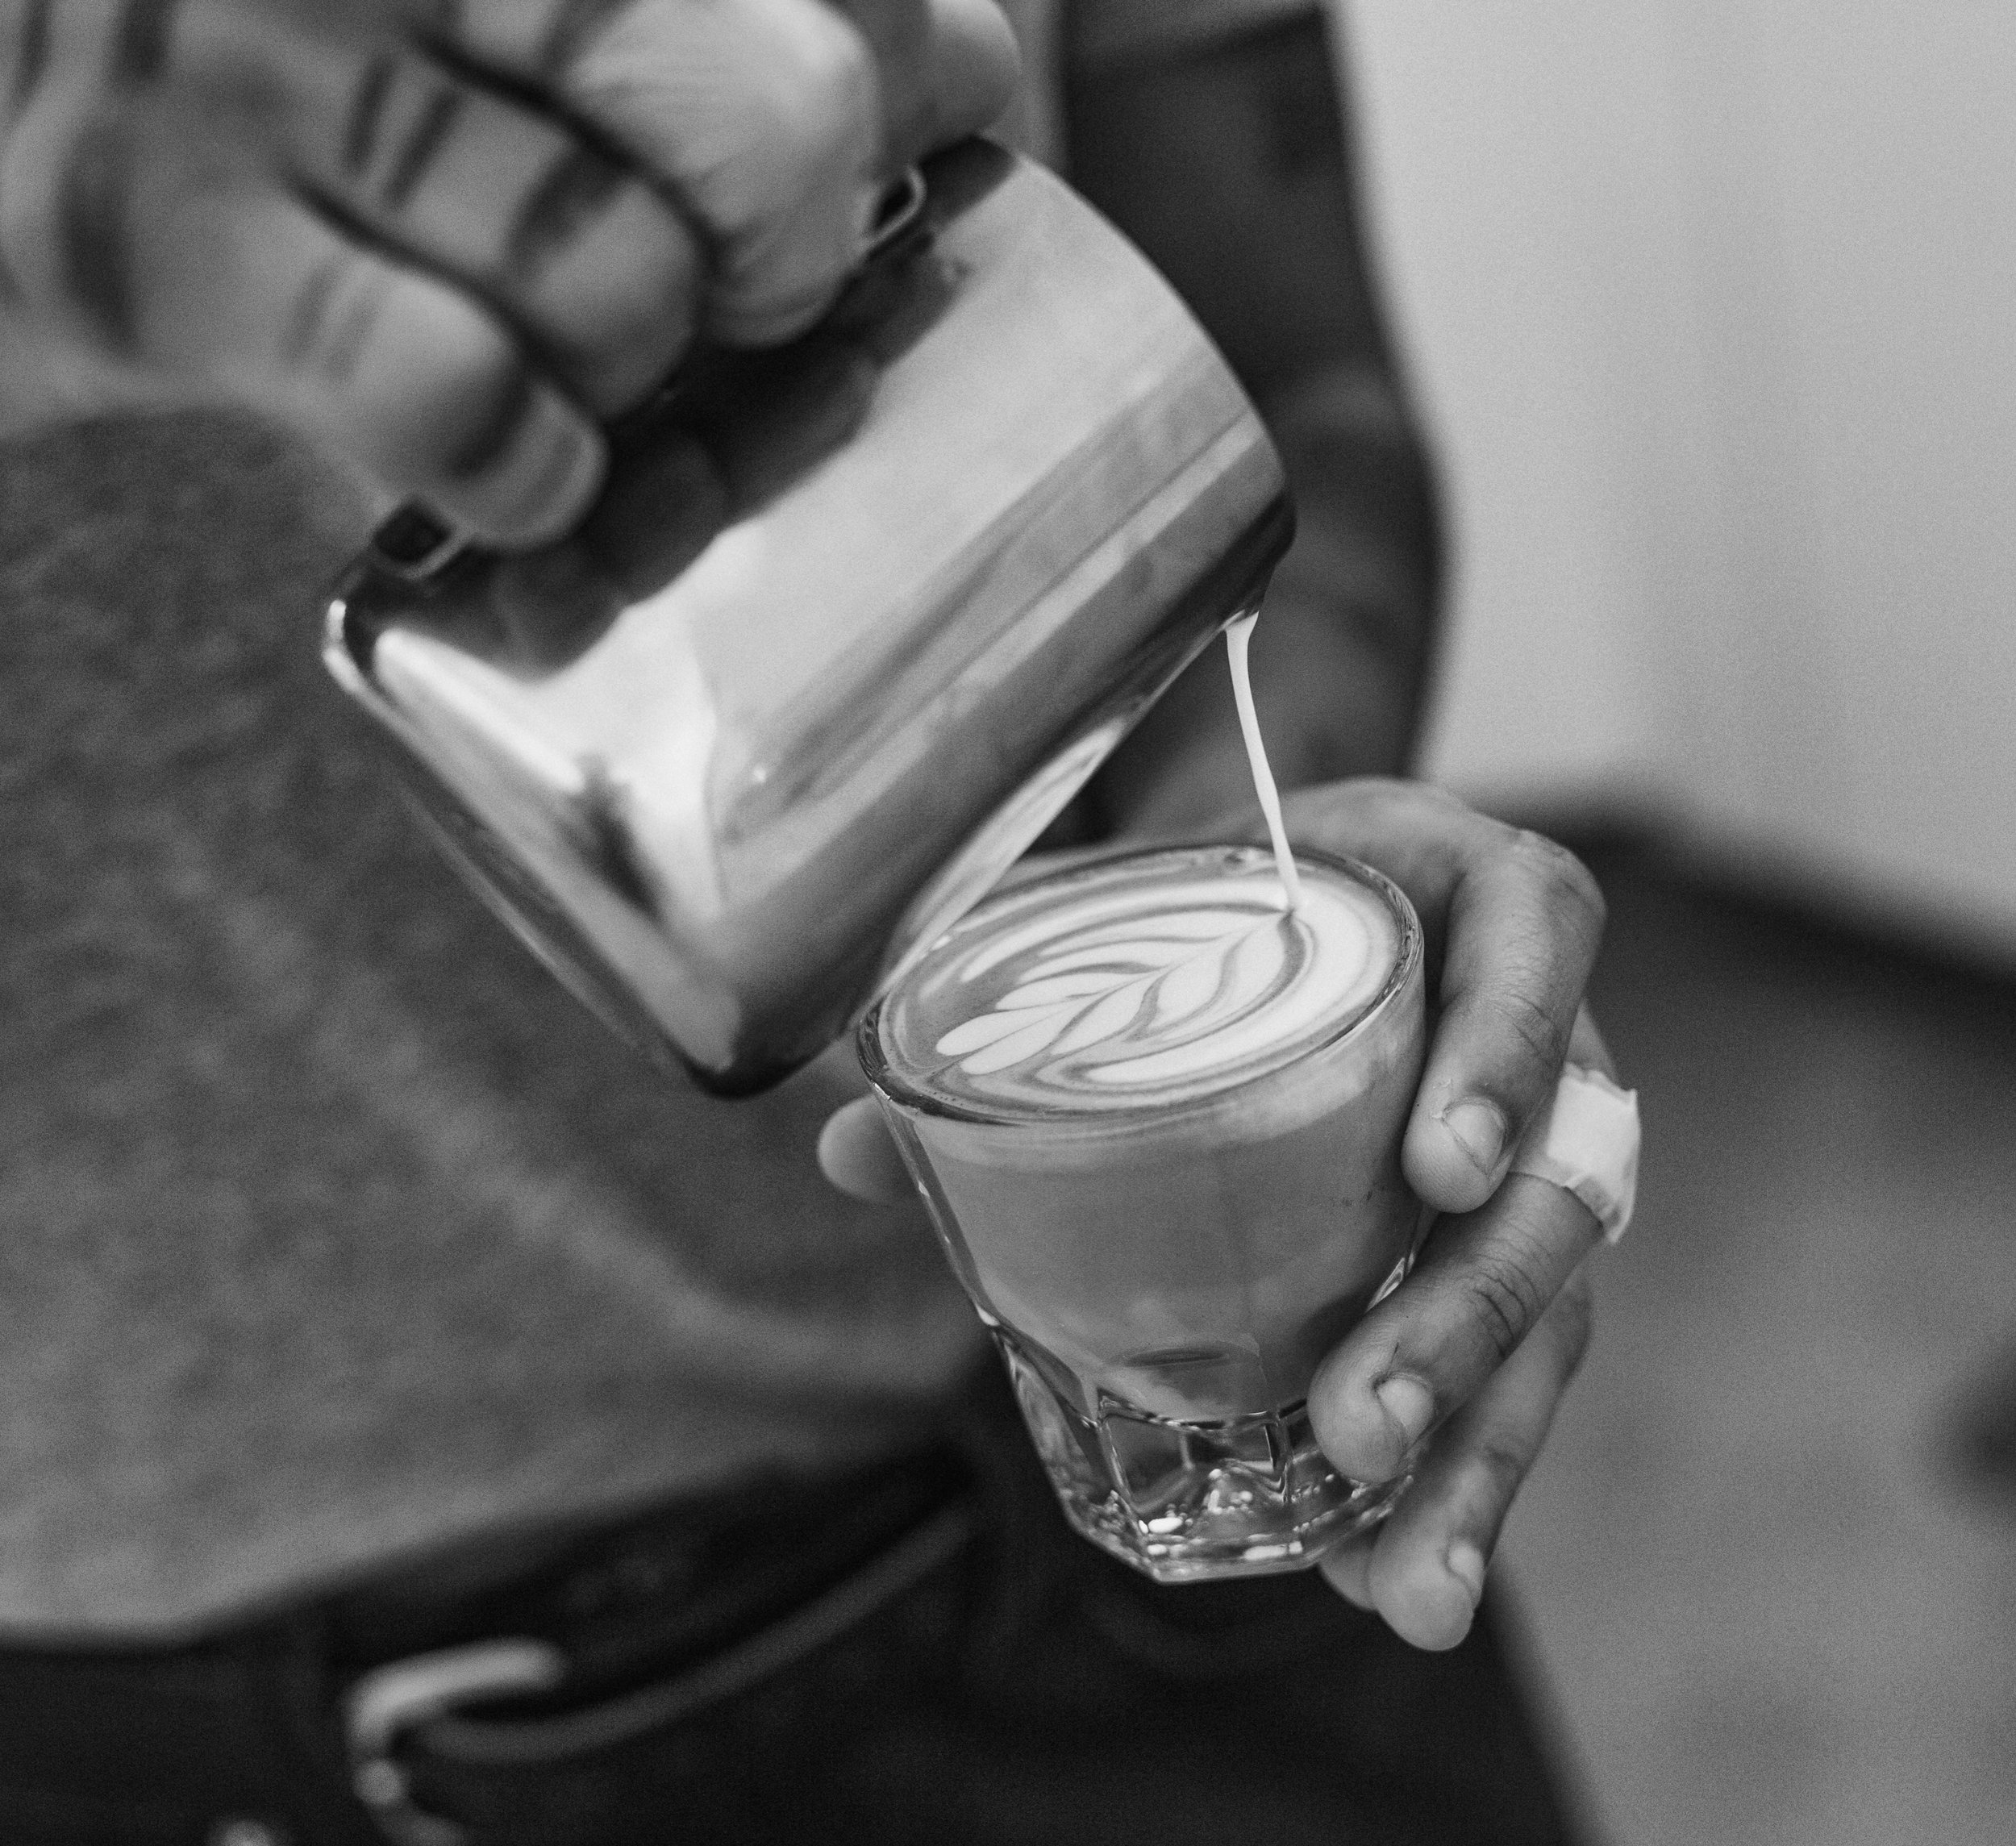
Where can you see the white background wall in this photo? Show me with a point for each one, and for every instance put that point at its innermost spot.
(1713, 304)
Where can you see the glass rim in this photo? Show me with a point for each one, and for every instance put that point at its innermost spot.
(875, 1064)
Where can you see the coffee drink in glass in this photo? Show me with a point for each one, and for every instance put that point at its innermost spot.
(1155, 1115)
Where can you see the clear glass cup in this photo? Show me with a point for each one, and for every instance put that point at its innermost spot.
(1163, 1279)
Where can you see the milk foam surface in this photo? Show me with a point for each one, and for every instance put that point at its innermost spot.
(1159, 979)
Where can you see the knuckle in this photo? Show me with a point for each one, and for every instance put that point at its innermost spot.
(332, 314)
(819, 97)
(1569, 886)
(1502, 1295)
(615, 302)
(464, 352)
(1544, 1036)
(647, 272)
(439, 372)
(576, 191)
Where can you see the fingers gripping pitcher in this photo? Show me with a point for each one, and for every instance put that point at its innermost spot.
(852, 620)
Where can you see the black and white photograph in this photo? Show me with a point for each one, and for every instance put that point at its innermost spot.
(1007, 923)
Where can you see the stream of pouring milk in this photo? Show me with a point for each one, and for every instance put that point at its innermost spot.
(1239, 637)
(1150, 979)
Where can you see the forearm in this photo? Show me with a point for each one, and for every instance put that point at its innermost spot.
(1232, 170)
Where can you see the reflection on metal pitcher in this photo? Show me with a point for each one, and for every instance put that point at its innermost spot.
(853, 620)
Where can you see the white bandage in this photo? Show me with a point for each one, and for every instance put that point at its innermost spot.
(1585, 1140)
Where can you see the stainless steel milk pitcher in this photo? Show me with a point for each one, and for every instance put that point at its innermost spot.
(851, 622)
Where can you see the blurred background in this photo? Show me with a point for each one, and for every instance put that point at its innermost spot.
(1712, 306)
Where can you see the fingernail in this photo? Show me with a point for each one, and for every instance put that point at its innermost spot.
(529, 474)
(1465, 1563)
(1479, 1129)
(560, 475)
(1410, 1406)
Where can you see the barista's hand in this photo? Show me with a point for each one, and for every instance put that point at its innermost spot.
(442, 240)
(1480, 1343)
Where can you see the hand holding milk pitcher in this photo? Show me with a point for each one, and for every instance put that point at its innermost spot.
(446, 244)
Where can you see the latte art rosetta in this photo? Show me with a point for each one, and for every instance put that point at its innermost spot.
(1164, 981)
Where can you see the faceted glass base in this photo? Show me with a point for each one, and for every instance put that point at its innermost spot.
(1186, 1501)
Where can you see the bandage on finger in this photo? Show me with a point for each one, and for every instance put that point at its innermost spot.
(1585, 1138)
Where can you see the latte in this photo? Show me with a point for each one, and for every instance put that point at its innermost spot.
(1156, 1117)
(1163, 979)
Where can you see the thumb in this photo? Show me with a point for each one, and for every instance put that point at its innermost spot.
(859, 1156)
